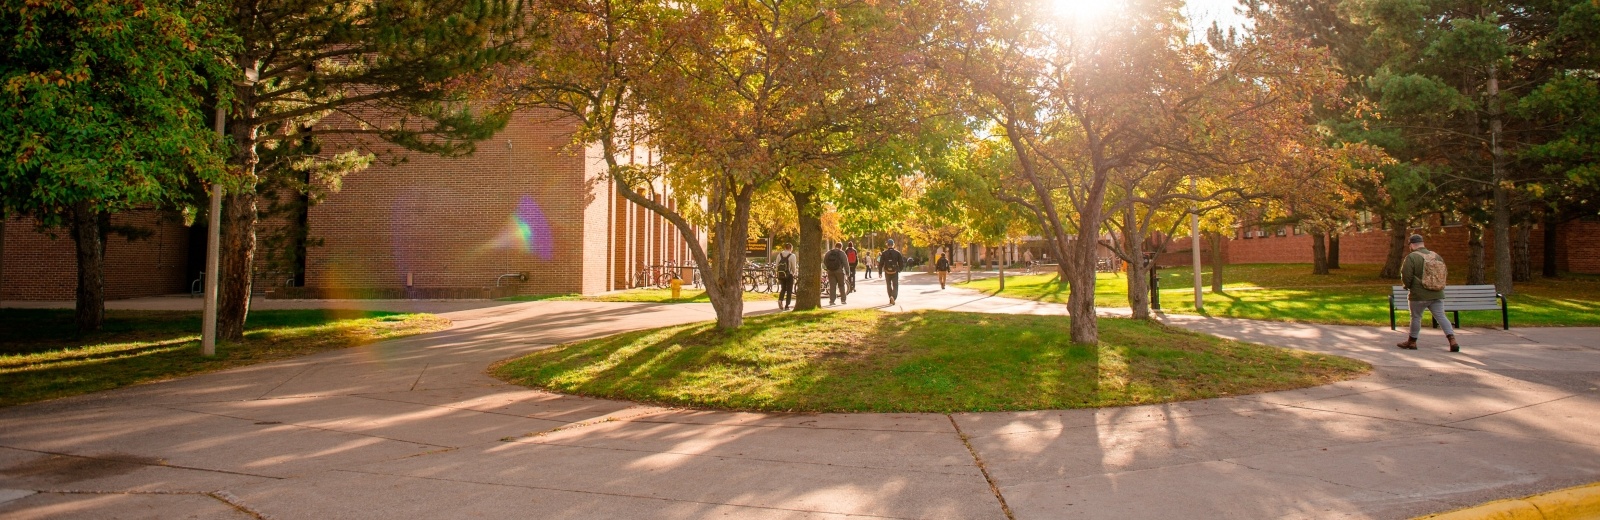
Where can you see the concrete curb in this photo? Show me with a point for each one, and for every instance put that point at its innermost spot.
(1574, 503)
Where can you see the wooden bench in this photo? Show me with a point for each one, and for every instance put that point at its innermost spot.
(1457, 298)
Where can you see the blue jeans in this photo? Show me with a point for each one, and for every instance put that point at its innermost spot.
(1437, 308)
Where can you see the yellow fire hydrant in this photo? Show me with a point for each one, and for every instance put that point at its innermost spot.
(677, 288)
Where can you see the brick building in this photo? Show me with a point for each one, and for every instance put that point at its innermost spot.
(524, 214)
(1577, 246)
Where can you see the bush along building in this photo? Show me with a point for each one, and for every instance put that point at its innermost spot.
(525, 214)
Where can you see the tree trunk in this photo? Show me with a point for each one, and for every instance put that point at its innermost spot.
(1002, 277)
(1319, 253)
(1397, 251)
(1551, 236)
(1502, 203)
(1475, 271)
(2, 260)
(1521, 259)
(237, 245)
(727, 268)
(1138, 269)
(238, 248)
(1333, 251)
(1217, 261)
(808, 285)
(89, 236)
(1084, 326)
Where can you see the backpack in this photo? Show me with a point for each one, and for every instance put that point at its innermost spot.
(784, 269)
(852, 254)
(834, 260)
(943, 264)
(1433, 272)
(892, 263)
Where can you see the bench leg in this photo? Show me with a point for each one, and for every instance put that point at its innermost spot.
(1456, 315)
(1505, 319)
(1391, 315)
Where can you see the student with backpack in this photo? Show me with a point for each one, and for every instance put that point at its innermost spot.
(836, 263)
(942, 265)
(850, 255)
(786, 267)
(891, 262)
(1423, 273)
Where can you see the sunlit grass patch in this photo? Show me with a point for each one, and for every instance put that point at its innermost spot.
(927, 361)
(43, 357)
(1354, 295)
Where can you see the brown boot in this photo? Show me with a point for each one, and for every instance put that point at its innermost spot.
(1409, 344)
(1453, 346)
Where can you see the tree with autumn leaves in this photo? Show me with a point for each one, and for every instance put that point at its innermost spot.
(104, 108)
(1110, 122)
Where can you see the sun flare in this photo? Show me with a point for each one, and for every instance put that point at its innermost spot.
(1084, 11)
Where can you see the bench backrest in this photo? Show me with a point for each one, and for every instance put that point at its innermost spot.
(1458, 297)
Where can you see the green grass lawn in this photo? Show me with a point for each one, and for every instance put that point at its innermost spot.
(42, 356)
(926, 361)
(648, 295)
(1354, 295)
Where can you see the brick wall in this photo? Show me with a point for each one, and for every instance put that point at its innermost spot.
(1580, 241)
(525, 201)
(515, 205)
(38, 267)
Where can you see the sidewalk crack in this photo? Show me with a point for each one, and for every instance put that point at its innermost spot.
(993, 487)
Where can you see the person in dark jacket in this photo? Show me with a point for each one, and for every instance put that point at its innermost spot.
(851, 255)
(1412, 272)
(836, 263)
(891, 262)
(942, 265)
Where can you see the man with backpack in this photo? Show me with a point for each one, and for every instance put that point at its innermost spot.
(836, 263)
(942, 266)
(891, 262)
(786, 267)
(1423, 274)
(850, 254)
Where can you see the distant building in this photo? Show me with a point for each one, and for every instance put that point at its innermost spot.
(524, 202)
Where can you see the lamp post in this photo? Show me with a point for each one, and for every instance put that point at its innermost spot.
(208, 323)
(1194, 245)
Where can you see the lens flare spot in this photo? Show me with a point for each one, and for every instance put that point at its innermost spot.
(526, 230)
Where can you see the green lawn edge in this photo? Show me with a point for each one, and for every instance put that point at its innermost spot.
(42, 357)
(922, 361)
(1354, 295)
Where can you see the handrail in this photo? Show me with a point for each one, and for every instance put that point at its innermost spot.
(521, 277)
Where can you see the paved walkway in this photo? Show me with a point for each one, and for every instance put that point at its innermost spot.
(414, 429)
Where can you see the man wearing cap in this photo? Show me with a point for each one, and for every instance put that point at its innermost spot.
(1413, 272)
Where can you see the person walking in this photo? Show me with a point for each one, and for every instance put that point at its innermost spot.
(867, 264)
(850, 254)
(787, 266)
(1423, 273)
(891, 262)
(942, 265)
(836, 263)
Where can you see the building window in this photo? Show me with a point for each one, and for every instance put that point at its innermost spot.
(1281, 232)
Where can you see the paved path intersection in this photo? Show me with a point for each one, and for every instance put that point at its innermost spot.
(414, 429)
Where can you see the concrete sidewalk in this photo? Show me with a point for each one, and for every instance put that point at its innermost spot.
(414, 429)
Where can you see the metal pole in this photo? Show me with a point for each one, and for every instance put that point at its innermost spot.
(208, 327)
(1194, 246)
